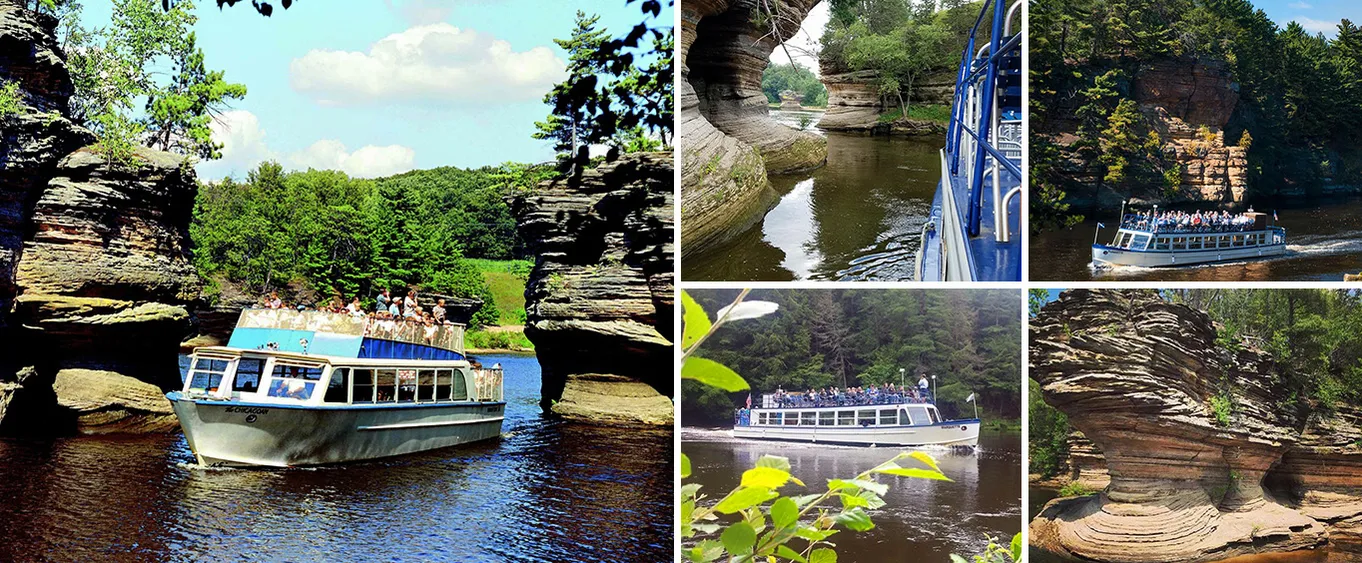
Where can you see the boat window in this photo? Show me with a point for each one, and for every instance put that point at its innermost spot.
(339, 387)
(207, 374)
(791, 419)
(1161, 243)
(1140, 242)
(247, 378)
(846, 418)
(386, 384)
(903, 417)
(461, 385)
(888, 416)
(294, 381)
(865, 417)
(935, 419)
(443, 385)
(364, 386)
(1179, 243)
(919, 415)
(406, 385)
(1194, 242)
(425, 385)
(761, 418)
(808, 418)
(825, 418)
(775, 418)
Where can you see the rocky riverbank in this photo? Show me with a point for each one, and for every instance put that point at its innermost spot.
(1190, 479)
(730, 141)
(855, 104)
(95, 271)
(599, 300)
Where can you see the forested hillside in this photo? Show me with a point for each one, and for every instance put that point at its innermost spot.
(1297, 113)
(778, 78)
(833, 338)
(318, 234)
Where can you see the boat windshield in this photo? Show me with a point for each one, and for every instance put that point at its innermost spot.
(206, 374)
(294, 381)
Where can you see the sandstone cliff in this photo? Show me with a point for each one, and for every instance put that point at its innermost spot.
(600, 299)
(1142, 378)
(95, 273)
(730, 141)
(854, 104)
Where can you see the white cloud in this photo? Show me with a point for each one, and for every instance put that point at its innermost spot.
(244, 147)
(1299, 6)
(804, 45)
(434, 63)
(366, 162)
(1317, 26)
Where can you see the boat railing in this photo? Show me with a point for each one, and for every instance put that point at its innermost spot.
(801, 401)
(978, 129)
(446, 336)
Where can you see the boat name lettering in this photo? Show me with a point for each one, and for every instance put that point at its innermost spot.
(247, 410)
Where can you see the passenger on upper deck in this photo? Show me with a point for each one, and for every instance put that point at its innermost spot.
(1183, 222)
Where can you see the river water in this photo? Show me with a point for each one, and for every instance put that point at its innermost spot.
(923, 521)
(860, 217)
(544, 491)
(1039, 496)
(1324, 241)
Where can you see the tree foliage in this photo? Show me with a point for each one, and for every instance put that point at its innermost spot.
(1300, 96)
(969, 339)
(323, 234)
(779, 78)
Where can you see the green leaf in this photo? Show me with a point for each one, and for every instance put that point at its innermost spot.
(739, 538)
(957, 559)
(852, 501)
(768, 477)
(877, 488)
(687, 511)
(814, 534)
(774, 462)
(1017, 547)
(690, 490)
(708, 550)
(744, 498)
(792, 555)
(914, 473)
(802, 500)
(823, 555)
(696, 320)
(927, 460)
(855, 520)
(784, 513)
(685, 466)
(713, 374)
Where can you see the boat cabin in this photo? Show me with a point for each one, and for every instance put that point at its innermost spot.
(1143, 241)
(267, 376)
(910, 414)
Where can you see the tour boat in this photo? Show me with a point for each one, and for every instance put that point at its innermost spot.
(295, 388)
(900, 423)
(973, 232)
(1139, 245)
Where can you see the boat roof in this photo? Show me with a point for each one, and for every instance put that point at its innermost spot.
(322, 358)
(343, 335)
(847, 407)
(1217, 233)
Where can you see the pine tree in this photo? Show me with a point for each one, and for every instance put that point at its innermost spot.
(179, 114)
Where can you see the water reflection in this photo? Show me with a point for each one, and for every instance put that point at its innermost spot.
(858, 218)
(544, 491)
(922, 522)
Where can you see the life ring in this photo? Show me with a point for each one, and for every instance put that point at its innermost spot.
(964, 427)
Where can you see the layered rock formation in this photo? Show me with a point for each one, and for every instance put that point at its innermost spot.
(35, 138)
(854, 103)
(730, 141)
(95, 274)
(599, 301)
(1189, 430)
(1180, 97)
(1087, 467)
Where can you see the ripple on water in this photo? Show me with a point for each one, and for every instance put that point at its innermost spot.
(544, 491)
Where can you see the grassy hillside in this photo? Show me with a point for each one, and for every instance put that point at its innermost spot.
(506, 279)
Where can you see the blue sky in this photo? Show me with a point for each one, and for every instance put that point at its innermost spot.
(378, 87)
(1316, 16)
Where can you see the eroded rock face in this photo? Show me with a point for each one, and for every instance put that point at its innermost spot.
(37, 137)
(600, 299)
(854, 104)
(730, 141)
(1189, 101)
(1141, 378)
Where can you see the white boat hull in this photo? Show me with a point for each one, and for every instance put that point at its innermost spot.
(952, 433)
(1102, 253)
(234, 434)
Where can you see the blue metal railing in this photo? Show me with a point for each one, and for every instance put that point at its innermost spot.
(975, 68)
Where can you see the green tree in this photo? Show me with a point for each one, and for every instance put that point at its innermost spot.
(178, 114)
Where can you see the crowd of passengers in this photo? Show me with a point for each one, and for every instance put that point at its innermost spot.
(386, 307)
(1183, 222)
(888, 394)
